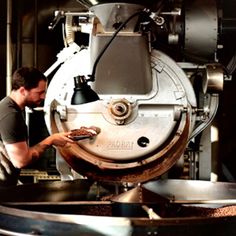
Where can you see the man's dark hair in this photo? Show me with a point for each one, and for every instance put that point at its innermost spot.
(28, 77)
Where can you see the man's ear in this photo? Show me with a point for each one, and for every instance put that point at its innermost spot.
(22, 91)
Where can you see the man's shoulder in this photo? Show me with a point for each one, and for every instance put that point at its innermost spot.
(7, 102)
(7, 107)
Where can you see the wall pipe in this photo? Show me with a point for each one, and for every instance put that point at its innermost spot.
(8, 47)
(35, 33)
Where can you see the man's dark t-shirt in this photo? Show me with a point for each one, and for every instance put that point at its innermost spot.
(12, 129)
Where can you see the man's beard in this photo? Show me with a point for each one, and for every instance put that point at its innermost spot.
(32, 105)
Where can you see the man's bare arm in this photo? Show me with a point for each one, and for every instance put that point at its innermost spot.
(21, 155)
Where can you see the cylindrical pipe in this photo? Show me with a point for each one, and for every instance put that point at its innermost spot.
(9, 47)
(35, 33)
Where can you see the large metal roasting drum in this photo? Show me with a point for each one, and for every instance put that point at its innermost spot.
(146, 107)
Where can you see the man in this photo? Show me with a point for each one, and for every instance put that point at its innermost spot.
(28, 90)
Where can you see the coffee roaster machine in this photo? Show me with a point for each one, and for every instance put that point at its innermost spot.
(150, 80)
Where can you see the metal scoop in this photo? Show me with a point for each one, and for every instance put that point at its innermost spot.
(80, 137)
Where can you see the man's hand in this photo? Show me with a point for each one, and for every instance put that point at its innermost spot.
(60, 139)
(57, 139)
